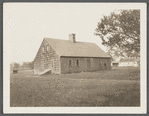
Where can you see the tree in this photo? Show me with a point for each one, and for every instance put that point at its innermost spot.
(31, 65)
(28, 65)
(16, 65)
(25, 65)
(120, 32)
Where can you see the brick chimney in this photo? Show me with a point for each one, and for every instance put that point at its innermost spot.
(72, 38)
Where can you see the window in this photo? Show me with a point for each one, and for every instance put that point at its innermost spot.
(47, 48)
(99, 63)
(105, 64)
(43, 50)
(70, 63)
(77, 62)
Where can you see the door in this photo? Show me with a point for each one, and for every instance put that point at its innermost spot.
(88, 64)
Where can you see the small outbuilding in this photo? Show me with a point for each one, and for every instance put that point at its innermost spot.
(69, 56)
(115, 63)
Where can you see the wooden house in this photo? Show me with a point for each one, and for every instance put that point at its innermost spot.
(69, 56)
(124, 62)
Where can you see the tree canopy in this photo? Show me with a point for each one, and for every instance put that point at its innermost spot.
(16, 65)
(25, 65)
(120, 32)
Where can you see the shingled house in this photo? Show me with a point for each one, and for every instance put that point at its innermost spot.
(128, 62)
(69, 56)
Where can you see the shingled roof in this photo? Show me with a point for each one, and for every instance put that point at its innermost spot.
(78, 49)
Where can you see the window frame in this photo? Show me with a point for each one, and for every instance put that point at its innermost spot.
(105, 64)
(42, 50)
(70, 64)
(47, 48)
(77, 62)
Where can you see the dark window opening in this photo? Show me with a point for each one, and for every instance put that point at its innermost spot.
(77, 62)
(70, 63)
(105, 64)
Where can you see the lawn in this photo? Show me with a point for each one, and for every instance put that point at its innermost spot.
(115, 87)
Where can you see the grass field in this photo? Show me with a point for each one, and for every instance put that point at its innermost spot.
(116, 87)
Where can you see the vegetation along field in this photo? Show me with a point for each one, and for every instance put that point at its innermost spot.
(115, 87)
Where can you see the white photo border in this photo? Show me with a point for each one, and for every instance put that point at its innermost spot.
(79, 110)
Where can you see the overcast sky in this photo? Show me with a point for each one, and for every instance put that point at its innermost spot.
(26, 24)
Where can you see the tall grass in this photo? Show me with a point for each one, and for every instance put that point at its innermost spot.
(103, 88)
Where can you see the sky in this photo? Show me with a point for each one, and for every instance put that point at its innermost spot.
(27, 24)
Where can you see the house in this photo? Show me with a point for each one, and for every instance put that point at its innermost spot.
(69, 56)
(115, 63)
(128, 62)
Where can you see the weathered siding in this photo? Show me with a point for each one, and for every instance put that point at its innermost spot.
(65, 68)
(47, 60)
(85, 64)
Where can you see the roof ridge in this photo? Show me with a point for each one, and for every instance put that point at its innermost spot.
(68, 40)
(54, 38)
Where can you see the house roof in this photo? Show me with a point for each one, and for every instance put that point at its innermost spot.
(128, 60)
(78, 49)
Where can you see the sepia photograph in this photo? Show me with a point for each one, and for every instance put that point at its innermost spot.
(72, 56)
